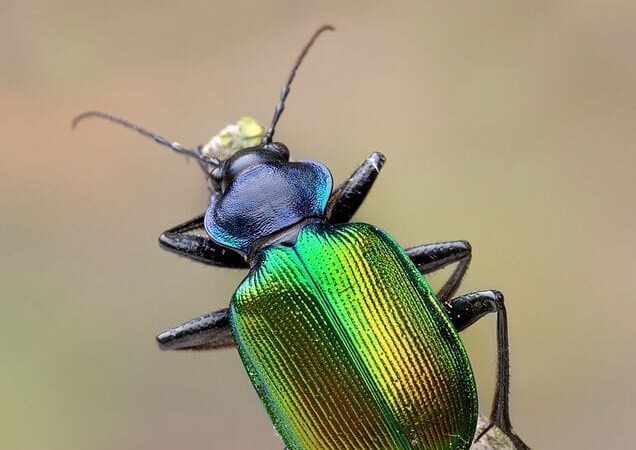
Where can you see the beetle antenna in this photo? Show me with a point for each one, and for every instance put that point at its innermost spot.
(174, 146)
(280, 107)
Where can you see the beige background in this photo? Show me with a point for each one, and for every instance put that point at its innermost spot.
(510, 124)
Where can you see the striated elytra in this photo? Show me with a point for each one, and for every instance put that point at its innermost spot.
(344, 341)
(341, 335)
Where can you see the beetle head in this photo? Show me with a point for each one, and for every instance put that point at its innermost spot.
(245, 158)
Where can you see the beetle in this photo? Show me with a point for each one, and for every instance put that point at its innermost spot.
(346, 344)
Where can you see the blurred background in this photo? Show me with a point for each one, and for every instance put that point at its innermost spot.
(510, 124)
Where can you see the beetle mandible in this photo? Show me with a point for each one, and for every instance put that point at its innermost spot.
(344, 341)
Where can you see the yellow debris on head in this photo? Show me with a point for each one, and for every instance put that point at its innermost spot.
(246, 133)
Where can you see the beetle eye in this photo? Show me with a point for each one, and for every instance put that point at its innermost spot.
(279, 149)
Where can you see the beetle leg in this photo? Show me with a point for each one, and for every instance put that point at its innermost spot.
(190, 240)
(207, 332)
(463, 312)
(432, 257)
(347, 198)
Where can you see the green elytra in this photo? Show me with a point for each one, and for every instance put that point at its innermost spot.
(348, 347)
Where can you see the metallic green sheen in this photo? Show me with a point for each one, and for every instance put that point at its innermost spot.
(348, 347)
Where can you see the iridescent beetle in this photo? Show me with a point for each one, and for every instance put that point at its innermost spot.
(343, 339)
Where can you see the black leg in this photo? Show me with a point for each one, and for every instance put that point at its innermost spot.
(191, 240)
(347, 198)
(207, 332)
(432, 257)
(466, 310)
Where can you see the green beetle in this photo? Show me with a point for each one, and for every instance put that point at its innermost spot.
(343, 339)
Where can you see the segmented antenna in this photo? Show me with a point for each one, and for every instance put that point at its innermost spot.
(174, 146)
(280, 107)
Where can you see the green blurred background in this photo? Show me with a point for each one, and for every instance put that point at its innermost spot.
(510, 124)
